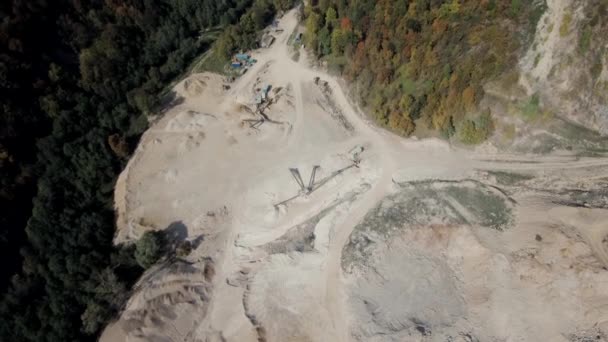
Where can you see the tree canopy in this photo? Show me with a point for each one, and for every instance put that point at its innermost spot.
(78, 79)
(421, 62)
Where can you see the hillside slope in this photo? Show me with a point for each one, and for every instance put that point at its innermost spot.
(566, 64)
(468, 69)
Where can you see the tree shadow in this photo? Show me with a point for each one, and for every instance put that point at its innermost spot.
(168, 101)
(175, 234)
(197, 241)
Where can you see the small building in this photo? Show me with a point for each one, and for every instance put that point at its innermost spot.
(264, 92)
(299, 37)
(236, 65)
(242, 57)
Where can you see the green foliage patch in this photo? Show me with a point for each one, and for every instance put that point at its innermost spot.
(149, 248)
(79, 78)
(530, 109)
(244, 35)
(584, 42)
(475, 131)
(564, 27)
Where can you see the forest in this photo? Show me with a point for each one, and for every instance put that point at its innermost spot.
(422, 63)
(79, 79)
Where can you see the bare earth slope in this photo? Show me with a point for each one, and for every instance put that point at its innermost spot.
(395, 240)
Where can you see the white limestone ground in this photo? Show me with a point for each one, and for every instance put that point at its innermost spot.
(411, 245)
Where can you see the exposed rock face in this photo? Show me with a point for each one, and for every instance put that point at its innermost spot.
(567, 63)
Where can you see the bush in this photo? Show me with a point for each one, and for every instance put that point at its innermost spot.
(94, 317)
(149, 249)
(564, 28)
(531, 108)
(585, 40)
(473, 132)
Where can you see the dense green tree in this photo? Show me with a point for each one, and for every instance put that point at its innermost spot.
(313, 22)
(325, 41)
(148, 249)
(77, 79)
(246, 33)
(331, 18)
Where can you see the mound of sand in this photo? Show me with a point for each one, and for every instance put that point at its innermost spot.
(190, 121)
(170, 299)
(194, 87)
(206, 86)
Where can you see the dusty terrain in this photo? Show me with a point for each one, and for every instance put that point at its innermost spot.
(396, 239)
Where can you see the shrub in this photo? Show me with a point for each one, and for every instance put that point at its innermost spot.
(468, 134)
(94, 317)
(530, 110)
(515, 7)
(564, 28)
(585, 40)
(148, 249)
(448, 130)
(475, 131)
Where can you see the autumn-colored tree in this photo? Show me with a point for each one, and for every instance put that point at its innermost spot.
(346, 24)
(468, 98)
(119, 145)
(440, 52)
(401, 124)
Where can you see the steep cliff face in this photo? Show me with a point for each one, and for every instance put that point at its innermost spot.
(556, 95)
(566, 64)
